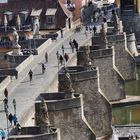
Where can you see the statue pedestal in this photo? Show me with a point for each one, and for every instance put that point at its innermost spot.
(17, 50)
(37, 36)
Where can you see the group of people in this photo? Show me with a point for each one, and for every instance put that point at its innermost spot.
(63, 58)
(91, 29)
(73, 45)
(12, 118)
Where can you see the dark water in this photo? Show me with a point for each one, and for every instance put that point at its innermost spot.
(130, 114)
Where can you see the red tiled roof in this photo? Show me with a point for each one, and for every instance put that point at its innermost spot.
(65, 10)
(16, 5)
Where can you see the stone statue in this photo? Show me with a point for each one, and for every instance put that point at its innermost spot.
(87, 60)
(18, 21)
(115, 20)
(36, 26)
(16, 46)
(15, 37)
(103, 37)
(66, 86)
(5, 23)
(42, 117)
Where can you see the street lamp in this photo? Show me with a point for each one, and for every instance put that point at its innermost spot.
(14, 104)
(57, 54)
(63, 51)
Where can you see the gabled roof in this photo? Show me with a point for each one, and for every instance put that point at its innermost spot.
(36, 12)
(51, 11)
(65, 10)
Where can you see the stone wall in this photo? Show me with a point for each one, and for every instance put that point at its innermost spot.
(66, 113)
(131, 24)
(111, 82)
(131, 44)
(97, 109)
(124, 61)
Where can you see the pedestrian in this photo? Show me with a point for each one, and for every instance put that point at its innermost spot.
(71, 45)
(94, 29)
(14, 119)
(10, 117)
(3, 134)
(86, 28)
(16, 74)
(43, 68)
(6, 93)
(61, 30)
(75, 44)
(66, 56)
(5, 101)
(61, 59)
(46, 57)
(90, 29)
(30, 75)
(18, 128)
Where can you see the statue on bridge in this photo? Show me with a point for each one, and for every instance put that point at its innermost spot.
(42, 117)
(87, 61)
(16, 46)
(103, 37)
(66, 85)
(36, 27)
(115, 20)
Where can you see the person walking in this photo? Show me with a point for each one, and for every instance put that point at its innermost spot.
(61, 30)
(43, 68)
(10, 118)
(18, 128)
(61, 59)
(6, 93)
(14, 119)
(94, 29)
(5, 101)
(75, 44)
(66, 57)
(30, 75)
(71, 45)
(3, 134)
(46, 57)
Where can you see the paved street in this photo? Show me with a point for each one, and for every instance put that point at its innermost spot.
(26, 92)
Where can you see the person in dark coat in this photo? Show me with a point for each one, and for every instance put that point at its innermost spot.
(6, 93)
(95, 29)
(14, 119)
(75, 44)
(46, 57)
(61, 59)
(43, 68)
(66, 57)
(61, 30)
(5, 101)
(10, 118)
(30, 75)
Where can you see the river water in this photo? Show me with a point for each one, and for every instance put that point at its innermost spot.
(130, 114)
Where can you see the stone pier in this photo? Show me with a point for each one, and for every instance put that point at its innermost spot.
(66, 112)
(124, 61)
(111, 81)
(97, 109)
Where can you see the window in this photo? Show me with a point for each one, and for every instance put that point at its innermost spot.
(50, 19)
